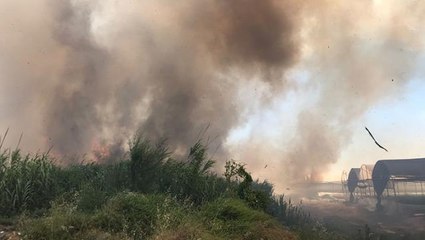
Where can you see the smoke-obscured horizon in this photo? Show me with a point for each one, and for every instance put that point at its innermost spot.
(80, 75)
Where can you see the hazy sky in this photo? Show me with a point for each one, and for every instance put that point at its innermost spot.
(397, 122)
(285, 86)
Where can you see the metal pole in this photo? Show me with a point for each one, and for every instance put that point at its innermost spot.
(395, 195)
(405, 186)
(416, 190)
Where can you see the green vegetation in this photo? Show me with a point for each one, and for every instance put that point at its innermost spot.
(26, 182)
(147, 195)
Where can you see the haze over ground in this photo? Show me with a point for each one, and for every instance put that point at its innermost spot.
(288, 84)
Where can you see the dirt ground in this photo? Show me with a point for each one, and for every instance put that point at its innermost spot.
(395, 221)
(8, 233)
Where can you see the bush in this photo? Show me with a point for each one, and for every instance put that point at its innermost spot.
(257, 195)
(136, 214)
(191, 179)
(139, 215)
(131, 215)
(288, 213)
(145, 162)
(92, 200)
(234, 219)
(63, 222)
(26, 182)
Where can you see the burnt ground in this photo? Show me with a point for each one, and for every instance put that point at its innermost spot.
(395, 221)
(8, 233)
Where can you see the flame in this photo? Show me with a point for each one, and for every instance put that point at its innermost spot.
(100, 150)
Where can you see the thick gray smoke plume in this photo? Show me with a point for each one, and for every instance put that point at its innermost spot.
(160, 69)
(357, 55)
(81, 75)
(213, 38)
(357, 58)
(72, 119)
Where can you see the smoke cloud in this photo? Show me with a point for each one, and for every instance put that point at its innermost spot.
(79, 74)
(357, 58)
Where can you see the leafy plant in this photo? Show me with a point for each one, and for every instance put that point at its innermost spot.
(145, 162)
(26, 182)
(256, 198)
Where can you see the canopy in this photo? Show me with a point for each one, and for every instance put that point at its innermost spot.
(397, 169)
(353, 179)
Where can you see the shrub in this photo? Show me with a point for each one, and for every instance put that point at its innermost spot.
(234, 219)
(255, 197)
(26, 182)
(191, 179)
(130, 215)
(91, 198)
(63, 222)
(288, 213)
(72, 178)
(117, 177)
(138, 215)
(145, 162)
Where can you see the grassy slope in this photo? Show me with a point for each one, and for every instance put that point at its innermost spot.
(139, 216)
(147, 195)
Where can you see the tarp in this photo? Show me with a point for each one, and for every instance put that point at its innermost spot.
(353, 179)
(366, 171)
(397, 169)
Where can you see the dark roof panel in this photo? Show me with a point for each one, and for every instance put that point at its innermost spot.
(404, 167)
(397, 169)
(353, 179)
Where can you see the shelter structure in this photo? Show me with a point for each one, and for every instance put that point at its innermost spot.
(401, 176)
(359, 182)
(365, 184)
(344, 178)
(352, 181)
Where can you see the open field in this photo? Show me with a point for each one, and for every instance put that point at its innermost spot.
(402, 217)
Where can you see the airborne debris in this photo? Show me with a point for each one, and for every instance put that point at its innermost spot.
(375, 140)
